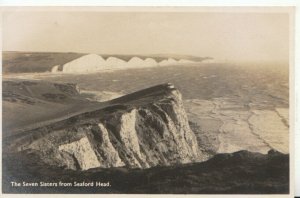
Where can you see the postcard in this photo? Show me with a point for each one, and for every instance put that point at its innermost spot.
(147, 100)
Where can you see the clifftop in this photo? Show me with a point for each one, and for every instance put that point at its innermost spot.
(151, 95)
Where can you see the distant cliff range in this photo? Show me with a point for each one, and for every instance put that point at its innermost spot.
(40, 62)
(94, 62)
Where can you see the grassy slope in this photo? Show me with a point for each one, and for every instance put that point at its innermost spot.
(28, 103)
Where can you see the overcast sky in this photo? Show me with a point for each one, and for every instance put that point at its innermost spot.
(225, 36)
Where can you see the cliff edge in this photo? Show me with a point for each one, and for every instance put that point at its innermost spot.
(141, 130)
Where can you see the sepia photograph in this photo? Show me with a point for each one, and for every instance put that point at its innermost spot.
(146, 100)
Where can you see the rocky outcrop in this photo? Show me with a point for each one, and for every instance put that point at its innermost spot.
(82, 152)
(144, 129)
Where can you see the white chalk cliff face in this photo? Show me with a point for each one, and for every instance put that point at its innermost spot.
(83, 152)
(143, 129)
(55, 69)
(135, 62)
(113, 62)
(150, 62)
(91, 62)
(94, 62)
(185, 61)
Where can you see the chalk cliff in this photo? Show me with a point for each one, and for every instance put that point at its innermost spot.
(143, 129)
(94, 62)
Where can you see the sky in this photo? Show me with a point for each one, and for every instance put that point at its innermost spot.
(238, 36)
